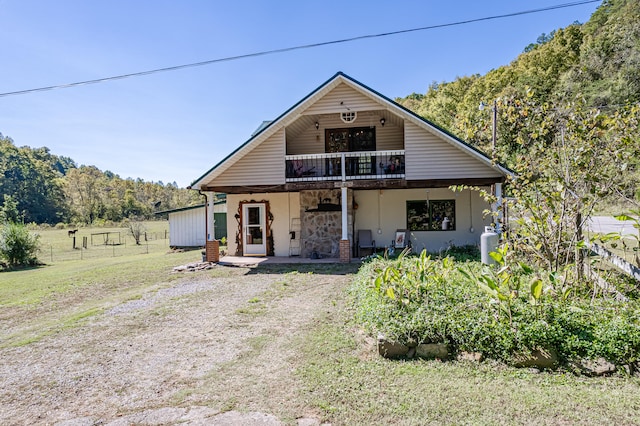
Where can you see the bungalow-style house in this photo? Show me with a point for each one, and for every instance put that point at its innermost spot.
(347, 164)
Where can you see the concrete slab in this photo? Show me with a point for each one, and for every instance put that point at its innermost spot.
(249, 261)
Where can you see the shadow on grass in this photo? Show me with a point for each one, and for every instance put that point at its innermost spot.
(4, 268)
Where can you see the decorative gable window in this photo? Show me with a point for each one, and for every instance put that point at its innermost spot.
(349, 116)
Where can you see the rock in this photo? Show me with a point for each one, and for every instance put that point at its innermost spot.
(432, 350)
(391, 349)
(470, 356)
(191, 267)
(597, 367)
(539, 358)
(412, 352)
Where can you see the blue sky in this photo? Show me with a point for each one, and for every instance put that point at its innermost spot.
(174, 126)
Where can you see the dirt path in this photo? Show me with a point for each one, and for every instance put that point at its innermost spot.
(203, 351)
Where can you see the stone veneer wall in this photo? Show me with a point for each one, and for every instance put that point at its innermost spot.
(322, 231)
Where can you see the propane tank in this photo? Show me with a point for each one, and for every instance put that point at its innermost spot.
(488, 243)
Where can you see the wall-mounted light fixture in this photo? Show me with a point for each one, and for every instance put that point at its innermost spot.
(382, 121)
(317, 125)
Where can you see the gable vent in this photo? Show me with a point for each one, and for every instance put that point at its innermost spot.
(349, 116)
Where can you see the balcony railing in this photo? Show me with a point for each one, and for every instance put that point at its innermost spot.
(345, 166)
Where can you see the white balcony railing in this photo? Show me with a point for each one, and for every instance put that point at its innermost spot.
(345, 166)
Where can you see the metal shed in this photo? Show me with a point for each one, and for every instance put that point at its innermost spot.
(187, 225)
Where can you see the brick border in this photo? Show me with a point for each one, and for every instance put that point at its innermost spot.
(345, 251)
(213, 251)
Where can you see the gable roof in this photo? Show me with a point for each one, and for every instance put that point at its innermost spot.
(268, 128)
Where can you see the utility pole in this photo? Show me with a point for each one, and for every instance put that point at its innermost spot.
(495, 129)
(494, 126)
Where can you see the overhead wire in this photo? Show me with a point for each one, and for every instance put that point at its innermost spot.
(299, 47)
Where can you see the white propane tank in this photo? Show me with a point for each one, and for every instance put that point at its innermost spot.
(488, 243)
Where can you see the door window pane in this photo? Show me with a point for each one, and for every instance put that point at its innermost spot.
(254, 235)
(253, 216)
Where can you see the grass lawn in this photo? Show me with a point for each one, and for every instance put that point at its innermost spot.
(57, 246)
(342, 378)
(61, 293)
(350, 384)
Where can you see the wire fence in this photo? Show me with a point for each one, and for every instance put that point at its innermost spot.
(97, 245)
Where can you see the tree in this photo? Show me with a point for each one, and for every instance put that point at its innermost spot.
(84, 189)
(573, 157)
(18, 247)
(26, 175)
(9, 211)
(136, 228)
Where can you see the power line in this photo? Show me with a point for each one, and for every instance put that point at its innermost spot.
(289, 49)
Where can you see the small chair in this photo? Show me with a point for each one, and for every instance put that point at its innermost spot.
(365, 240)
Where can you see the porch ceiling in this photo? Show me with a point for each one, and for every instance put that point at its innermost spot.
(356, 184)
(305, 123)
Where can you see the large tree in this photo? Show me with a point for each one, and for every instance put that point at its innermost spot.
(27, 176)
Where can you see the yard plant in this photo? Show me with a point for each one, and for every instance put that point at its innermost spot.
(18, 247)
(504, 312)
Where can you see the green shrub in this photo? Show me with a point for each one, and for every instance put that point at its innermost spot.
(424, 300)
(18, 247)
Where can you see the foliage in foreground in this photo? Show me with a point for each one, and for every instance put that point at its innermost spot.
(18, 247)
(473, 307)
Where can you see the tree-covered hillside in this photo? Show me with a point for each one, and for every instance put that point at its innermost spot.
(45, 188)
(597, 62)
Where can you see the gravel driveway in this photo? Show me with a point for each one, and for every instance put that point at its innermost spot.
(204, 350)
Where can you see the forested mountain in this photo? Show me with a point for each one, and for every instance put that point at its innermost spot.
(47, 188)
(596, 64)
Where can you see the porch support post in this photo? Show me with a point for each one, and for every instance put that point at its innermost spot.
(345, 249)
(345, 217)
(212, 247)
(498, 208)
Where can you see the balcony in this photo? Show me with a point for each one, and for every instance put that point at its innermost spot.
(345, 166)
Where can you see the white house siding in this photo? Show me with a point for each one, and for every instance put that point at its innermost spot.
(187, 228)
(283, 207)
(312, 141)
(341, 98)
(391, 215)
(264, 165)
(429, 157)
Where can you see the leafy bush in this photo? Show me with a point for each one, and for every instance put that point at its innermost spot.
(18, 247)
(512, 311)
